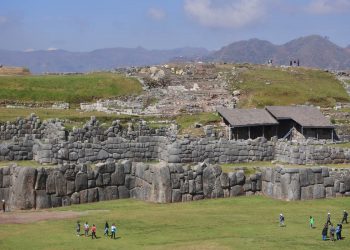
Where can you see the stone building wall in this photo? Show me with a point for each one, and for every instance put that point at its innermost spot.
(308, 152)
(49, 142)
(27, 188)
(305, 183)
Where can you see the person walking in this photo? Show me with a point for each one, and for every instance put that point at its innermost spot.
(324, 232)
(338, 232)
(281, 220)
(345, 217)
(312, 222)
(106, 229)
(329, 218)
(86, 229)
(93, 231)
(113, 231)
(78, 228)
(332, 232)
(3, 206)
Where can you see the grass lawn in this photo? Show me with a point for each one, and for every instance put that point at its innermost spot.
(235, 223)
(72, 89)
(292, 86)
(26, 163)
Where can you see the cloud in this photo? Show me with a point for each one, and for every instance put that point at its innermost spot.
(225, 13)
(52, 49)
(156, 14)
(323, 7)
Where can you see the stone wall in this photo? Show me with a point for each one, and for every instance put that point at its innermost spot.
(307, 152)
(220, 151)
(27, 188)
(50, 142)
(305, 183)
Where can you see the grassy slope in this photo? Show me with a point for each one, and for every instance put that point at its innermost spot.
(292, 86)
(73, 89)
(237, 223)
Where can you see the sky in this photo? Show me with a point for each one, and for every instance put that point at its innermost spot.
(86, 25)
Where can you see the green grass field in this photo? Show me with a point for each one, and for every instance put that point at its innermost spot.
(72, 89)
(234, 223)
(291, 86)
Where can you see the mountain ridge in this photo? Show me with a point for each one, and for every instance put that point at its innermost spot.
(312, 51)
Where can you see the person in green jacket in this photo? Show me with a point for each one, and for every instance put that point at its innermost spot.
(312, 222)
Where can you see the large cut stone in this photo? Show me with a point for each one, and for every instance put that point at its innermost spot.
(41, 177)
(81, 181)
(43, 200)
(319, 191)
(161, 184)
(22, 192)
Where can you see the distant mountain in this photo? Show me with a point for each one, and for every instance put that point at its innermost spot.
(312, 51)
(102, 59)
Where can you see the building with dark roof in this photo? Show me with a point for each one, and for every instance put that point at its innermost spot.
(248, 123)
(280, 121)
(309, 121)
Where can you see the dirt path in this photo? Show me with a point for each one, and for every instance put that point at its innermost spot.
(34, 216)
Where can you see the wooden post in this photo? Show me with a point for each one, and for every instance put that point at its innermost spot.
(263, 131)
(249, 132)
(229, 133)
(332, 131)
(317, 133)
(302, 131)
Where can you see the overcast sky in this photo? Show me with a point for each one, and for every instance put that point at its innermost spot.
(85, 25)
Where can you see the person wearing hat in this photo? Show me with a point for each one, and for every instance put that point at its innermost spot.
(281, 220)
(328, 219)
(345, 217)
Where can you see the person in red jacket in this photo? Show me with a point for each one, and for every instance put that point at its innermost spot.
(93, 231)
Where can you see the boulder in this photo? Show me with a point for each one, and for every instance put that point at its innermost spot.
(240, 177)
(123, 192)
(111, 193)
(106, 178)
(118, 177)
(225, 180)
(83, 196)
(75, 198)
(319, 191)
(43, 200)
(330, 193)
(236, 190)
(81, 181)
(92, 195)
(60, 184)
(176, 195)
(328, 181)
(307, 193)
(161, 184)
(22, 192)
(41, 177)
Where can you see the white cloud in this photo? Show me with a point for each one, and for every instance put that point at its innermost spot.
(52, 49)
(328, 6)
(225, 14)
(156, 14)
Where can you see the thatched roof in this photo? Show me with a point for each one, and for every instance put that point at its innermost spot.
(306, 116)
(246, 117)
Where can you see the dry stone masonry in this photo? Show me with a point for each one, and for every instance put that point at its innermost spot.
(27, 188)
(94, 164)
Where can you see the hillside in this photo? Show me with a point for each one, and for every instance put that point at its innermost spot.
(71, 88)
(312, 51)
(103, 59)
(262, 86)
